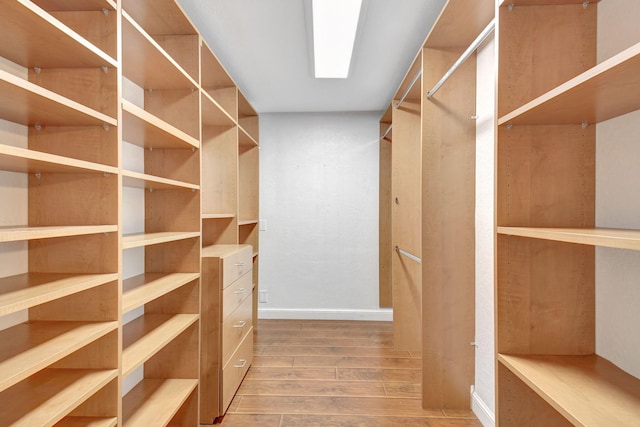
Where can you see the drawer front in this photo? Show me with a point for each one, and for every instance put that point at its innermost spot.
(236, 265)
(235, 327)
(235, 294)
(235, 370)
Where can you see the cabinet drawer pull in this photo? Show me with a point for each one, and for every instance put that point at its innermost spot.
(242, 364)
(240, 264)
(239, 291)
(240, 324)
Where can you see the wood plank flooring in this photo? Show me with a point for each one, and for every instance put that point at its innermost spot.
(333, 374)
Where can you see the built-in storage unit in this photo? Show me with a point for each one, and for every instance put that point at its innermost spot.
(554, 94)
(59, 224)
(161, 178)
(230, 217)
(433, 205)
(105, 125)
(227, 337)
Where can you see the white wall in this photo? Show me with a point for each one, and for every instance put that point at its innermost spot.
(319, 198)
(618, 204)
(483, 398)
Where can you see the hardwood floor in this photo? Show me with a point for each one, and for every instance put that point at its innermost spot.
(333, 374)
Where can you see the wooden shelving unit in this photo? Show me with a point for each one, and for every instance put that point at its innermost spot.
(230, 216)
(548, 369)
(104, 108)
(59, 238)
(161, 343)
(117, 159)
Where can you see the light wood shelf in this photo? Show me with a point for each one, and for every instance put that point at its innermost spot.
(220, 251)
(30, 289)
(34, 38)
(26, 103)
(155, 401)
(218, 216)
(147, 64)
(148, 334)
(52, 394)
(141, 180)
(30, 347)
(146, 239)
(214, 75)
(146, 130)
(247, 222)
(608, 237)
(610, 89)
(159, 16)
(20, 233)
(587, 390)
(247, 117)
(141, 289)
(213, 114)
(22, 160)
(76, 5)
(88, 422)
(244, 139)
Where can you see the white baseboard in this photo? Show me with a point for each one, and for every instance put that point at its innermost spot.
(482, 411)
(383, 314)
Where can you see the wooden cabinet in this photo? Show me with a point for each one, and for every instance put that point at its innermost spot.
(107, 129)
(553, 94)
(227, 332)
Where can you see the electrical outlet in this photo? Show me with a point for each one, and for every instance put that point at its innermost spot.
(263, 225)
(263, 297)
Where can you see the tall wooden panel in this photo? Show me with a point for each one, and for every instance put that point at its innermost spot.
(406, 224)
(385, 244)
(448, 231)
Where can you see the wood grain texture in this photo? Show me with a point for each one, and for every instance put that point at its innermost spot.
(385, 247)
(406, 223)
(528, 44)
(587, 390)
(298, 390)
(448, 231)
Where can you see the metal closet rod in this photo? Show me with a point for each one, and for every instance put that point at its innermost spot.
(406, 92)
(386, 132)
(408, 255)
(467, 53)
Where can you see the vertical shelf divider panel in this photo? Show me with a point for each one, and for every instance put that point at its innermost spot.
(448, 205)
(405, 215)
(448, 227)
(385, 246)
(548, 372)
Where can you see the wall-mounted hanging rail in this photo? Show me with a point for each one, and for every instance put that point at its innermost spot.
(406, 92)
(384, 135)
(408, 255)
(465, 55)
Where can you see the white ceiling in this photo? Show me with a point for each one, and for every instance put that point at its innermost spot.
(267, 48)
